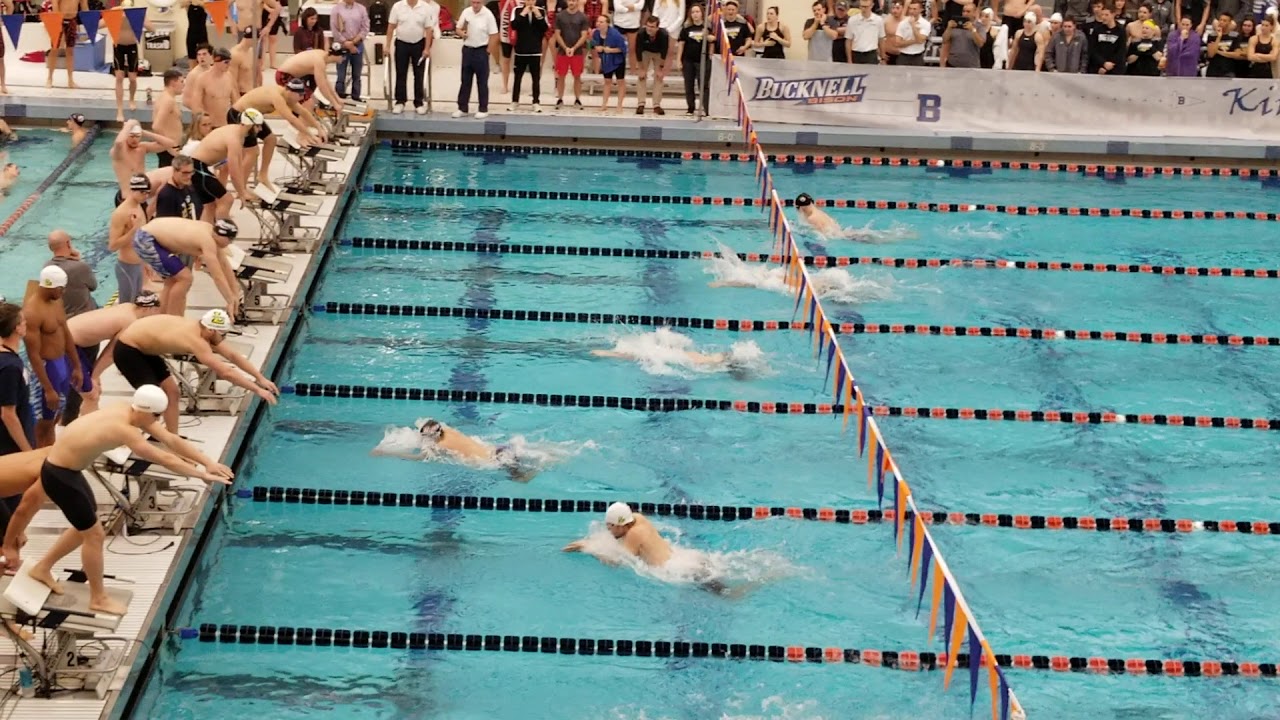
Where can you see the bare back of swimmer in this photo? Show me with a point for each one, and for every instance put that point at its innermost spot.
(437, 437)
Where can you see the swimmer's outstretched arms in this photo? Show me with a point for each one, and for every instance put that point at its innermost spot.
(436, 437)
(634, 532)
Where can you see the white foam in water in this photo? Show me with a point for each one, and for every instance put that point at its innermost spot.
(987, 231)
(776, 707)
(535, 454)
(666, 352)
(834, 284)
(867, 234)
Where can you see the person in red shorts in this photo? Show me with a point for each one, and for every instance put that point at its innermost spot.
(310, 66)
(572, 32)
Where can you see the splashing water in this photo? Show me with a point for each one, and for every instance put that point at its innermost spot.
(987, 231)
(775, 707)
(834, 284)
(666, 352)
(532, 454)
(896, 232)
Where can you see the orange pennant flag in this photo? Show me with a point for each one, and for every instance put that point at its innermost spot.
(112, 19)
(904, 495)
(217, 10)
(871, 456)
(993, 680)
(936, 601)
(916, 548)
(53, 25)
(848, 396)
(959, 628)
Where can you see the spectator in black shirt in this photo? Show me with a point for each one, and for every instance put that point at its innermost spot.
(1145, 54)
(1223, 48)
(17, 421)
(836, 25)
(738, 30)
(530, 27)
(177, 197)
(692, 50)
(1107, 44)
(653, 47)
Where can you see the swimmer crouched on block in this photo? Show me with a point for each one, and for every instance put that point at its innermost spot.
(435, 436)
(637, 536)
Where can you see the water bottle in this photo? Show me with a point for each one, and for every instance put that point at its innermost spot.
(148, 96)
(26, 683)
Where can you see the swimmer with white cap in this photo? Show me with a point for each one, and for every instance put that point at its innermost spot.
(434, 437)
(62, 480)
(140, 349)
(828, 228)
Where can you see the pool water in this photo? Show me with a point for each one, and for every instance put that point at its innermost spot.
(80, 202)
(403, 569)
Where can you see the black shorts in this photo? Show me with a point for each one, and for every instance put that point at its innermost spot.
(618, 73)
(70, 492)
(138, 367)
(166, 159)
(126, 59)
(208, 187)
(507, 50)
(277, 27)
(250, 140)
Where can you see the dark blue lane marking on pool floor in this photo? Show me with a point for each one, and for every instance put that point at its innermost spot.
(495, 158)
(650, 163)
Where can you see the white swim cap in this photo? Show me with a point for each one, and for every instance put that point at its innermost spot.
(216, 320)
(1029, 17)
(1056, 17)
(150, 399)
(251, 116)
(619, 514)
(53, 277)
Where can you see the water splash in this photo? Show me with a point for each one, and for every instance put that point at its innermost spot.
(985, 231)
(535, 454)
(834, 284)
(666, 352)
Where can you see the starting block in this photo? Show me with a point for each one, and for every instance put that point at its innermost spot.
(198, 392)
(349, 126)
(78, 642)
(279, 215)
(256, 275)
(312, 164)
(148, 496)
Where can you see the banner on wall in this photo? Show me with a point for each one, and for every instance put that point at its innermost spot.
(958, 100)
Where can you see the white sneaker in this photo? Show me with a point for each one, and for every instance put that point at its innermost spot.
(457, 114)
(399, 108)
(537, 108)
(421, 110)
(515, 107)
(481, 115)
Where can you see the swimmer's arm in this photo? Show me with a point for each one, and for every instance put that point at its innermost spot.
(239, 172)
(398, 454)
(139, 446)
(579, 546)
(243, 363)
(608, 354)
(73, 353)
(209, 359)
(32, 500)
(285, 110)
(9, 418)
(213, 265)
(118, 237)
(159, 143)
(181, 448)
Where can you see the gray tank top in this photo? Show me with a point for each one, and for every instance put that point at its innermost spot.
(964, 51)
(819, 44)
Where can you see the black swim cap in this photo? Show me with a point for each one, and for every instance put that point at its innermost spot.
(803, 200)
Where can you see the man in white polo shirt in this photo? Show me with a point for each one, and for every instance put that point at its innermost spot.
(411, 24)
(477, 27)
(865, 31)
(913, 33)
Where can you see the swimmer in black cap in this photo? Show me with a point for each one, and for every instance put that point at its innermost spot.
(436, 437)
(77, 126)
(827, 227)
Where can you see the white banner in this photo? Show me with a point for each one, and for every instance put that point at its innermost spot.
(953, 100)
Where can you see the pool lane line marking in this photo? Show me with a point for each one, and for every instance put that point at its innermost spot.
(907, 660)
(857, 203)
(744, 325)
(48, 182)
(810, 260)
(732, 513)
(667, 404)
(871, 160)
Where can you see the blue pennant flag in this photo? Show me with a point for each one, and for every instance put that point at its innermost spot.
(911, 541)
(975, 657)
(949, 612)
(880, 476)
(13, 23)
(89, 19)
(926, 562)
(862, 428)
(897, 508)
(1004, 695)
(831, 356)
(136, 17)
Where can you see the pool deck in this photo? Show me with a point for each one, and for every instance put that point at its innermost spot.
(153, 559)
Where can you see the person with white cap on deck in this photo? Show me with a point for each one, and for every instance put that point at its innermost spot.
(54, 359)
(141, 347)
(62, 481)
(163, 242)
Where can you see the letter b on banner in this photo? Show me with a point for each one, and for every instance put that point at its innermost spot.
(930, 108)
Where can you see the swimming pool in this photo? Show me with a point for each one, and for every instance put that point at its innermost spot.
(78, 202)
(481, 572)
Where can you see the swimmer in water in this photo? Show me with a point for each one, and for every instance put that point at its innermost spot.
(77, 125)
(637, 536)
(828, 228)
(6, 133)
(8, 175)
(435, 436)
(665, 347)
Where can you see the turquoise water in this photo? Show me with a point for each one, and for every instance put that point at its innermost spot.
(1072, 593)
(79, 203)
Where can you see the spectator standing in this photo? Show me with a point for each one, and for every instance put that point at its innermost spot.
(626, 19)
(864, 33)
(572, 33)
(1247, 29)
(1134, 29)
(1027, 51)
(478, 27)
(1223, 48)
(1107, 44)
(889, 46)
(610, 45)
(772, 37)
(1146, 55)
(1263, 50)
(176, 198)
(913, 34)
(17, 420)
(670, 15)
(349, 21)
(1067, 52)
(837, 25)
(1162, 12)
(693, 52)
(1182, 52)
(1197, 10)
(815, 34)
(1123, 12)
(654, 48)
(411, 23)
(529, 27)
(309, 36)
(944, 12)
(506, 10)
(736, 28)
(962, 41)
(994, 53)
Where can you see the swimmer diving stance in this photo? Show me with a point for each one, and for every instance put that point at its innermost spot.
(827, 227)
(435, 437)
(638, 537)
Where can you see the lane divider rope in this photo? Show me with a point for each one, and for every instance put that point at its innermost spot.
(731, 513)
(858, 203)
(810, 260)
(549, 644)
(48, 182)
(667, 404)
(746, 325)
(1088, 169)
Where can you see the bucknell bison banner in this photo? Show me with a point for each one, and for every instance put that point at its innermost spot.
(957, 100)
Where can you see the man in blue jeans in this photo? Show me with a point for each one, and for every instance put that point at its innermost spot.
(477, 27)
(350, 22)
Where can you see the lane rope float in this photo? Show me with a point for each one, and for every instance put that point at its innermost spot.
(667, 404)
(857, 203)
(810, 260)
(48, 182)
(732, 513)
(907, 660)
(746, 325)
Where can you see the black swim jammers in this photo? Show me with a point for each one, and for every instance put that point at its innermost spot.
(138, 367)
(71, 493)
